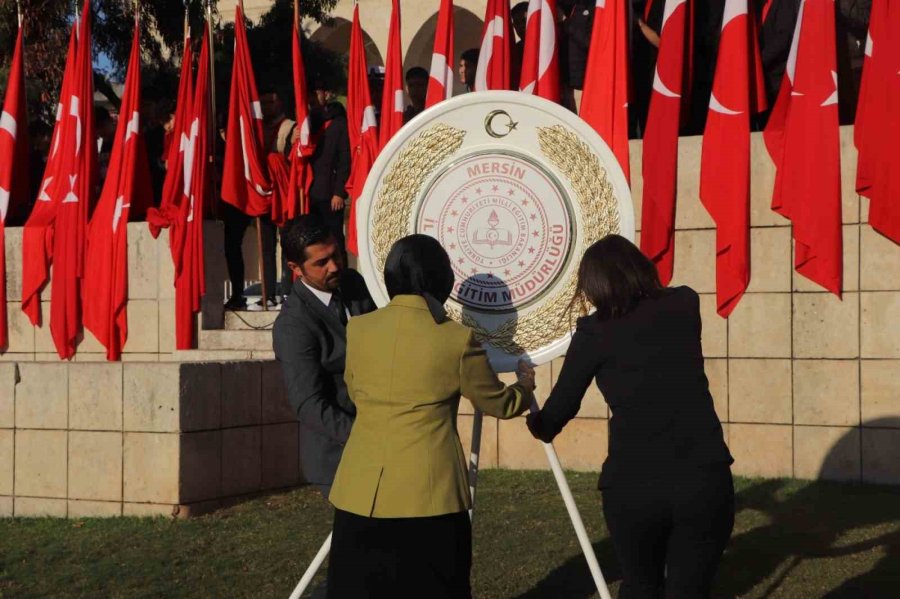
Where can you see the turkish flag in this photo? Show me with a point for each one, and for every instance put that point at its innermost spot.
(802, 138)
(173, 192)
(37, 237)
(245, 177)
(878, 121)
(440, 84)
(127, 186)
(604, 103)
(659, 166)
(13, 163)
(300, 171)
(362, 126)
(540, 54)
(493, 70)
(190, 277)
(737, 93)
(393, 100)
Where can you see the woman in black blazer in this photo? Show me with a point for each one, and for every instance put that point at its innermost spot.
(668, 496)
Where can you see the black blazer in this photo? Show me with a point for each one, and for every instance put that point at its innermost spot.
(311, 344)
(649, 366)
(331, 160)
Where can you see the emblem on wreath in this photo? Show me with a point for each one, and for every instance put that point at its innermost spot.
(492, 235)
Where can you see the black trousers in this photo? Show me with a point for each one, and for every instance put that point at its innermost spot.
(400, 557)
(669, 534)
(236, 223)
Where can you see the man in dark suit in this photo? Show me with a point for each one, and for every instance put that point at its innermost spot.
(310, 342)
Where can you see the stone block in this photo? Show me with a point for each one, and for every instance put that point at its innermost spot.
(9, 375)
(488, 456)
(826, 392)
(760, 326)
(151, 397)
(200, 466)
(770, 259)
(517, 449)
(762, 177)
(850, 264)
(143, 327)
(880, 389)
(878, 324)
(7, 460)
(40, 463)
(95, 397)
(246, 321)
(149, 510)
(16, 357)
(95, 465)
(151, 467)
(880, 451)
(241, 460)
(43, 394)
(280, 458)
(689, 212)
(21, 332)
(880, 262)
(826, 452)
(94, 509)
(764, 450)
(38, 507)
(825, 326)
(143, 263)
(6, 507)
(88, 344)
(262, 355)
(582, 445)
(275, 405)
(759, 391)
(717, 374)
(715, 328)
(465, 406)
(144, 358)
(165, 268)
(201, 396)
(592, 405)
(241, 387)
(90, 358)
(43, 342)
(13, 253)
(166, 326)
(695, 260)
(849, 157)
(635, 159)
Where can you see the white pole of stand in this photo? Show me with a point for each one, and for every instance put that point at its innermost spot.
(474, 454)
(313, 568)
(575, 516)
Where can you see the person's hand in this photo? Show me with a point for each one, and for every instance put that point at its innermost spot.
(525, 374)
(337, 203)
(535, 426)
(295, 135)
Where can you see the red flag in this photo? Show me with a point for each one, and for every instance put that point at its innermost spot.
(878, 121)
(165, 215)
(300, 176)
(363, 128)
(245, 177)
(540, 56)
(604, 103)
(725, 161)
(660, 157)
(493, 70)
(13, 163)
(190, 277)
(127, 185)
(37, 237)
(392, 100)
(440, 84)
(802, 138)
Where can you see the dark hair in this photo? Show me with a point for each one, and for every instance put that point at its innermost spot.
(417, 265)
(520, 7)
(614, 276)
(417, 73)
(300, 233)
(470, 56)
(269, 88)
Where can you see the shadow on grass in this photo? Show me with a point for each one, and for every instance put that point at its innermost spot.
(791, 538)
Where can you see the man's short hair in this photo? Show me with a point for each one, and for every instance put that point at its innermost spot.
(416, 73)
(470, 56)
(270, 88)
(520, 7)
(300, 233)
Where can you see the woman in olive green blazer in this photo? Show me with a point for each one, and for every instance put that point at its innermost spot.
(401, 494)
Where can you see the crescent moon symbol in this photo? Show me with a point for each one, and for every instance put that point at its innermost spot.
(489, 124)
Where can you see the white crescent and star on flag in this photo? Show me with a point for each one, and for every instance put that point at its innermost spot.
(733, 10)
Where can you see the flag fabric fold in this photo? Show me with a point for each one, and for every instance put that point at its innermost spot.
(660, 152)
(13, 162)
(604, 102)
(300, 170)
(803, 139)
(493, 71)
(440, 84)
(737, 94)
(540, 54)
(393, 100)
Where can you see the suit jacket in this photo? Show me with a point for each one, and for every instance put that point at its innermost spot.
(310, 342)
(405, 374)
(331, 161)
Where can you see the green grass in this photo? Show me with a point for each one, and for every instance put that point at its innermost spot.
(791, 539)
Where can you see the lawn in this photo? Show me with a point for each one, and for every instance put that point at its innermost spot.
(791, 539)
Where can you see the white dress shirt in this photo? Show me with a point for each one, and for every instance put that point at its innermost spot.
(324, 297)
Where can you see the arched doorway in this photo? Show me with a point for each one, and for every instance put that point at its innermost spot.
(335, 36)
(466, 34)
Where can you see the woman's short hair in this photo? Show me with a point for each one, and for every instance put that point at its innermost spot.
(614, 276)
(418, 265)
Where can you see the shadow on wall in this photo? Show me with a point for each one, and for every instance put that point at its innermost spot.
(466, 34)
(335, 36)
(788, 533)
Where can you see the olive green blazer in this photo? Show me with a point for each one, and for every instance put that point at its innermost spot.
(405, 374)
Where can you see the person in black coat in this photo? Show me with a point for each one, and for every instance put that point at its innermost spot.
(668, 496)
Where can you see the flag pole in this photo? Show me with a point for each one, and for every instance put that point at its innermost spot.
(213, 128)
(19, 12)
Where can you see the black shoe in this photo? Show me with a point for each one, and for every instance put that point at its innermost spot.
(236, 302)
(272, 304)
